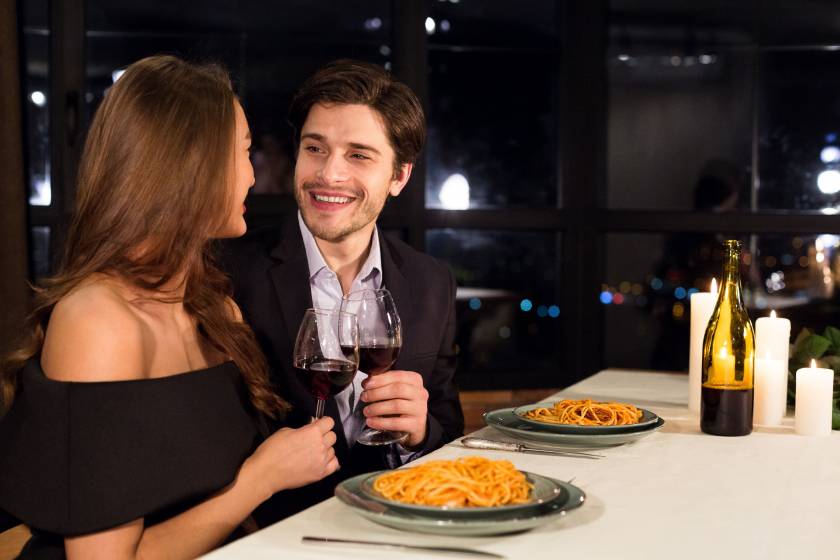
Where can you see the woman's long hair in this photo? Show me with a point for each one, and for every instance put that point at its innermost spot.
(153, 190)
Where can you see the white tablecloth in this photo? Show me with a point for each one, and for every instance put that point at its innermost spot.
(678, 493)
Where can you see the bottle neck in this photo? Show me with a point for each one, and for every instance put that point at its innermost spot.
(731, 274)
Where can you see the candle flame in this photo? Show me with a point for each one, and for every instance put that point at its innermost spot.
(813, 364)
(773, 314)
(723, 353)
(713, 288)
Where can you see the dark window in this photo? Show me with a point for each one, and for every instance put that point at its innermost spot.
(799, 142)
(646, 293)
(680, 106)
(492, 105)
(36, 94)
(508, 306)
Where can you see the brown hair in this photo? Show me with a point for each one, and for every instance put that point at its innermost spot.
(152, 191)
(360, 83)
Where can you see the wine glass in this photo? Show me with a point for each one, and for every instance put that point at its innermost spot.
(326, 354)
(380, 340)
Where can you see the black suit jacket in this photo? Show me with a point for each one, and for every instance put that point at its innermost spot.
(271, 282)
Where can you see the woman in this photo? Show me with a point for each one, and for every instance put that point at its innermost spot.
(132, 411)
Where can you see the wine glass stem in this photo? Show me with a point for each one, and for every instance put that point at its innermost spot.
(319, 408)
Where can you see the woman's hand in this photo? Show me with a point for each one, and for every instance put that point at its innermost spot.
(293, 458)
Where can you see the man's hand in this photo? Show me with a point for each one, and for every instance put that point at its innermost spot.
(401, 394)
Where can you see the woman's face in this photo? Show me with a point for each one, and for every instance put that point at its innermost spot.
(242, 175)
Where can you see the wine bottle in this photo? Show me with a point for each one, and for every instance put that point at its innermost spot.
(726, 405)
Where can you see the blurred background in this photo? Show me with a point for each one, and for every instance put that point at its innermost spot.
(585, 158)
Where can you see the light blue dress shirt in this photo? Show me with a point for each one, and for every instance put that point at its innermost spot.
(327, 294)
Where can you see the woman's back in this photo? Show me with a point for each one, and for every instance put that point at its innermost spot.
(88, 457)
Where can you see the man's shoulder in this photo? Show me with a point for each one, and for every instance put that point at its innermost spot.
(254, 250)
(412, 260)
(257, 241)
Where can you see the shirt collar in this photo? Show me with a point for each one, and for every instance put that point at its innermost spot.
(372, 265)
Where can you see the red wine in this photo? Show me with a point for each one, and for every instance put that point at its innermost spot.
(726, 412)
(374, 360)
(377, 359)
(326, 377)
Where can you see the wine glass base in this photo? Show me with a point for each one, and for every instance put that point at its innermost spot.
(374, 437)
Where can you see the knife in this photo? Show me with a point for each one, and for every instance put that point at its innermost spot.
(481, 443)
(399, 546)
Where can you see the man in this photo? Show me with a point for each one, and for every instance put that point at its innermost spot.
(358, 133)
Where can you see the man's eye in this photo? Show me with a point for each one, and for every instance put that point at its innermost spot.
(313, 149)
(359, 156)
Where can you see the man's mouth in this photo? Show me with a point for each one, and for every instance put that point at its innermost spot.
(332, 199)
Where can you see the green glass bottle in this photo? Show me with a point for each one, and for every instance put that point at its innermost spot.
(726, 406)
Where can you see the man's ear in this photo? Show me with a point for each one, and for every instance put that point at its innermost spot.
(400, 179)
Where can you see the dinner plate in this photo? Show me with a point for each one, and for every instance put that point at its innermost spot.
(648, 420)
(544, 490)
(505, 420)
(350, 493)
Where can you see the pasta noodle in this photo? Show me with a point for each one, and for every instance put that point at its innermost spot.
(587, 412)
(464, 482)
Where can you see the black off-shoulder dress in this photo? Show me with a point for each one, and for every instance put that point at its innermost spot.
(79, 458)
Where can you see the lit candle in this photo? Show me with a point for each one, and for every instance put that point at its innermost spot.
(724, 365)
(772, 341)
(772, 337)
(702, 305)
(813, 400)
(770, 394)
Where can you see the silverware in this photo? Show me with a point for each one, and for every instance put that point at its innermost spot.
(481, 443)
(399, 546)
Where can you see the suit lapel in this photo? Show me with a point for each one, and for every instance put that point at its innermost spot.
(396, 282)
(290, 277)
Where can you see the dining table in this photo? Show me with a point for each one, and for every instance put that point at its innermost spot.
(677, 493)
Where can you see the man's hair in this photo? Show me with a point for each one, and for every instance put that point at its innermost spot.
(351, 82)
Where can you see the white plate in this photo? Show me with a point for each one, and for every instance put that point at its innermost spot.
(508, 422)
(349, 492)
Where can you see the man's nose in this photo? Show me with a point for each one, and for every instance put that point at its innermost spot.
(334, 170)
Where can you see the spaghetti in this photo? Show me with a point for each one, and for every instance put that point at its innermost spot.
(587, 412)
(464, 482)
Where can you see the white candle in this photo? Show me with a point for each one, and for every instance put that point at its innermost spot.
(772, 340)
(813, 400)
(770, 395)
(702, 304)
(772, 337)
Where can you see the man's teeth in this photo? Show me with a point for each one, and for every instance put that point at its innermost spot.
(335, 199)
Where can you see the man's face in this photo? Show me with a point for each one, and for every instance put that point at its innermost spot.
(345, 170)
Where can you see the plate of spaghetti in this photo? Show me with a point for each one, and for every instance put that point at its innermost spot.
(586, 416)
(475, 521)
(569, 436)
(464, 487)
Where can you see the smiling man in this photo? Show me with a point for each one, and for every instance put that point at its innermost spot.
(358, 134)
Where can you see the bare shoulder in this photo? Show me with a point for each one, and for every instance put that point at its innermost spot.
(94, 335)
